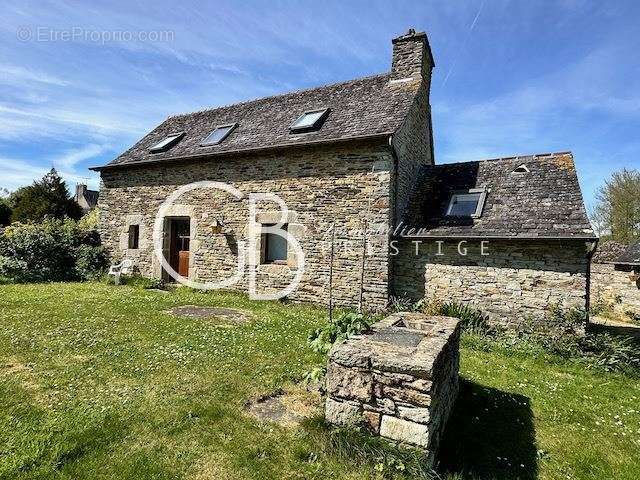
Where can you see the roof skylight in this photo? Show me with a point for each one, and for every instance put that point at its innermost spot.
(167, 142)
(467, 203)
(219, 134)
(310, 120)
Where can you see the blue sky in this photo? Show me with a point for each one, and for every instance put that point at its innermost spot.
(511, 77)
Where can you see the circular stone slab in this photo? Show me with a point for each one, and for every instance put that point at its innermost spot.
(230, 315)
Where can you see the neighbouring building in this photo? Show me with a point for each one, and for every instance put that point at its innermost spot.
(350, 158)
(87, 199)
(615, 277)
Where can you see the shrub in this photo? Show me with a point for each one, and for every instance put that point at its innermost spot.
(343, 326)
(402, 304)
(53, 250)
(472, 318)
(90, 262)
(561, 335)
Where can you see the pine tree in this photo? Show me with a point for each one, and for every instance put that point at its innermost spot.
(46, 198)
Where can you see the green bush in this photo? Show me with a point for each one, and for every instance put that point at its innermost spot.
(343, 326)
(53, 250)
(561, 334)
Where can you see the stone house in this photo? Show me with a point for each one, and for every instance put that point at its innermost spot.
(354, 164)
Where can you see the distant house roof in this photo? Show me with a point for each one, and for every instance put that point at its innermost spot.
(87, 199)
(608, 252)
(367, 107)
(631, 256)
(535, 196)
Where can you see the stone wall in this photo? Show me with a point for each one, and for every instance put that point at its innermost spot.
(400, 380)
(620, 289)
(321, 186)
(514, 279)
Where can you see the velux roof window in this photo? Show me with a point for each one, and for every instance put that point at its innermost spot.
(311, 120)
(219, 134)
(167, 142)
(467, 203)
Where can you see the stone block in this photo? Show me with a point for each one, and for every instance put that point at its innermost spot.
(342, 413)
(349, 383)
(372, 420)
(404, 431)
(418, 415)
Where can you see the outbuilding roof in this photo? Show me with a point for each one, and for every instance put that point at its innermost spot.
(631, 256)
(366, 107)
(533, 196)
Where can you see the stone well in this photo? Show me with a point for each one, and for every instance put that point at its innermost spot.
(400, 380)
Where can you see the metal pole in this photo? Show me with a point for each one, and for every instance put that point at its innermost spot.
(333, 238)
(364, 256)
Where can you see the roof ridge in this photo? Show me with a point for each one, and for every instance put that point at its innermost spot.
(279, 95)
(513, 157)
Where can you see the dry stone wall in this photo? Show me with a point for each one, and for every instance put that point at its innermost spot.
(616, 287)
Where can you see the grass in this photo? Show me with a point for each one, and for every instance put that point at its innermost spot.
(99, 382)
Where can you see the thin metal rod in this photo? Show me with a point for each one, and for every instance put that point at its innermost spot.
(364, 257)
(333, 239)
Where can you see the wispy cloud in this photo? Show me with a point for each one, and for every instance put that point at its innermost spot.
(12, 75)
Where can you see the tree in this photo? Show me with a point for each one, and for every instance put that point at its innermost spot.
(5, 212)
(46, 198)
(617, 212)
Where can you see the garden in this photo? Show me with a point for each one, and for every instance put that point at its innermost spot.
(99, 381)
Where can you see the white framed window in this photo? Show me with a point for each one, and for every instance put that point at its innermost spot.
(167, 142)
(467, 203)
(218, 134)
(309, 120)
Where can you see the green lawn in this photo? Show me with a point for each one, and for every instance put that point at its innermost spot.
(99, 381)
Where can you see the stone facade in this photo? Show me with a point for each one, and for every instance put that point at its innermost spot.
(513, 280)
(619, 288)
(321, 187)
(400, 380)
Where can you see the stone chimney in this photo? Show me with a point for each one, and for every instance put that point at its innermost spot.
(412, 56)
(80, 190)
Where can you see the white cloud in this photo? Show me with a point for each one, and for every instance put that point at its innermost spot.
(16, 75)
(70, 158)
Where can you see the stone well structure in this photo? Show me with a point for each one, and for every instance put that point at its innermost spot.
(400, 380)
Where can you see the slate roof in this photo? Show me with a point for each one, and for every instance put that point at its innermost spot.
(608, 251)
(546, 202)
(362, 108)
(91, 196)
(631, 256)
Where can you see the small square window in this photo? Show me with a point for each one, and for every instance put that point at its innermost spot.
(310, 120)
(274, 247)
(166, 143)
(467, 203)
(218, 134)
(134, 236)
